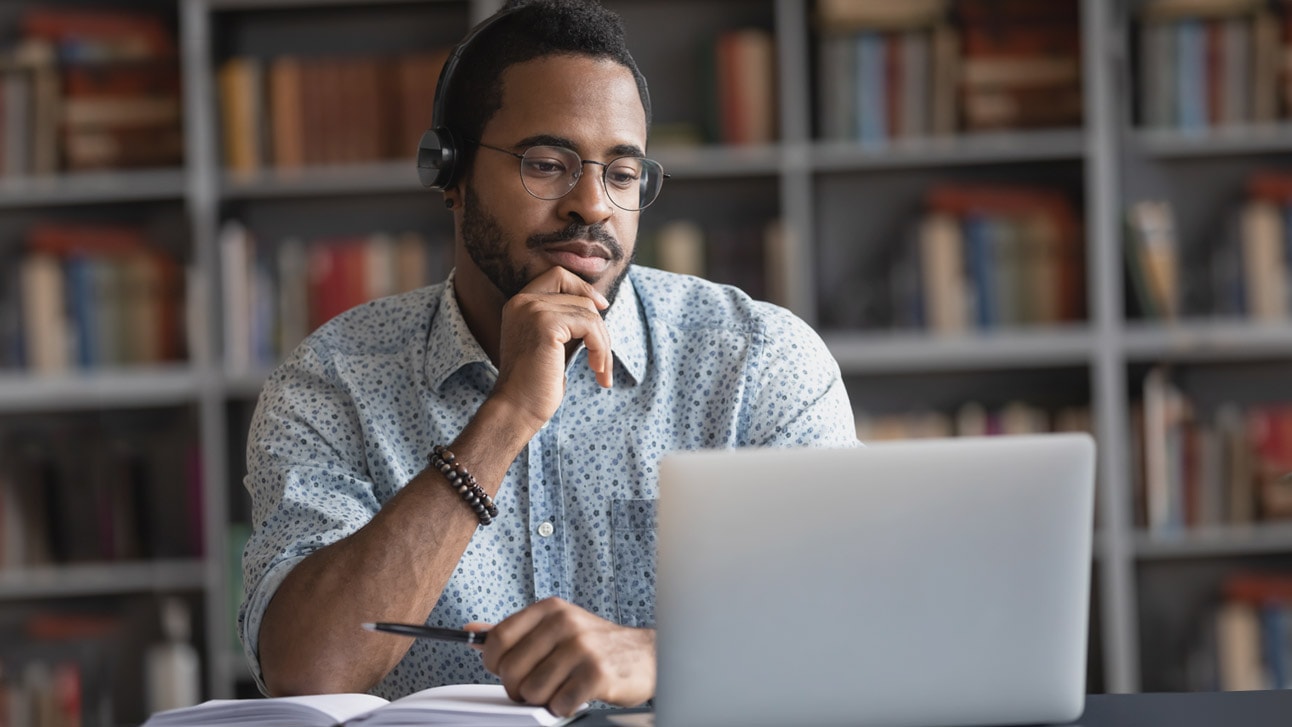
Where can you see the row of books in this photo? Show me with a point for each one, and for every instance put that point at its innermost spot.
(1245, 274)
(45, 692)
(1208, 63)
(293, 111)
(1197, 469)
(986, 257)
(973, 419)
(85, 664)
(89, 89)
(749, 256)
(891, 71)
(1245, 639)
(1246, 271)
(87, 491)
(274, 293)
(89, 296)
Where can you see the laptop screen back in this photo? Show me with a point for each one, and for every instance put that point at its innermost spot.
(934, 582)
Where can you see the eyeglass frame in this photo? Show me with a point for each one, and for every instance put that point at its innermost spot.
(604, 166)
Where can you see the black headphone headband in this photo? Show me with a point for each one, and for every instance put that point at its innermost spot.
(438, 150)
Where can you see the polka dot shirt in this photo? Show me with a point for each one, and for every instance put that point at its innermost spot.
(349, 418)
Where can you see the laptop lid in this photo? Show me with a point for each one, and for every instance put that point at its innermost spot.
(921, 583)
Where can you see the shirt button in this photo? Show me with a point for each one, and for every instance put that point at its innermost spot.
(545, 530)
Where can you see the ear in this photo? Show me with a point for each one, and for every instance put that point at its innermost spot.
(453, 197)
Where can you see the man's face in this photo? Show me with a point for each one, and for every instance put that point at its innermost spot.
(588, 105)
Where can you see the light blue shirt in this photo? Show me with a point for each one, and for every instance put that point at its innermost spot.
(350, 417)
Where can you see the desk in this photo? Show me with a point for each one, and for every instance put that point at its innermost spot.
(1189, 709)
(1182, 709)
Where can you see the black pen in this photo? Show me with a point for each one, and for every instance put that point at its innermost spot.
(429, 632)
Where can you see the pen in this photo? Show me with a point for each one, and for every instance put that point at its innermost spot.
(429, 632)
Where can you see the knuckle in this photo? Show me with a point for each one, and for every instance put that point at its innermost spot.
(532, 692)
(585, 643)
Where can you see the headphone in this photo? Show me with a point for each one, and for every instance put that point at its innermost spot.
(439, 148)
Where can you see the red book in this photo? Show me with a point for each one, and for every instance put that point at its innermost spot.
(67, 239)
(1020, 40)
(142, 31)
(1272, 186)
(1259, 588)
(1270, 430)
(734, 127)
(1213, 55)
(893, 82)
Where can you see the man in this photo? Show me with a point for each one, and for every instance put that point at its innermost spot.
(548, 370)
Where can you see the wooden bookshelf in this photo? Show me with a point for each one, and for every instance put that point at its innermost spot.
(850, 210)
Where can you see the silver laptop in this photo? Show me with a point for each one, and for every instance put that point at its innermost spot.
(923, 583)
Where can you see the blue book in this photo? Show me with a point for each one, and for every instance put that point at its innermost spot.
(980, 259)
(1274, 644)
(81, 306)
(872, 89)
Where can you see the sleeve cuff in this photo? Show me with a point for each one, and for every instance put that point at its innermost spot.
(254, 611)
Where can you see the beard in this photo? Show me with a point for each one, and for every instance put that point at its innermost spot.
(485, 243)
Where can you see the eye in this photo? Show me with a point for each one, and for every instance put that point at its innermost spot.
(543, 166)
(623, 173)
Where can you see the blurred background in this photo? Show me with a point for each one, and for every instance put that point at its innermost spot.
(1003, 216)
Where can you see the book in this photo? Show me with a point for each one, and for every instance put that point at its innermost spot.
(241, 109)
(856, 14)
(942, 270)
(1152, 256)
(457, 704)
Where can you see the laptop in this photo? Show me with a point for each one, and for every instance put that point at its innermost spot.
(912, 584)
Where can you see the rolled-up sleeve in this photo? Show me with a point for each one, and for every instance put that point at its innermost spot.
(307, 479)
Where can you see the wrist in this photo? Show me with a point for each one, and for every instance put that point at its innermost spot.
(511, 421)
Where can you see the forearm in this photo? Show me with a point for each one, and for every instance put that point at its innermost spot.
(392, 569)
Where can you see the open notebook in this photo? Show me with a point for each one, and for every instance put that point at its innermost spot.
(457, 704)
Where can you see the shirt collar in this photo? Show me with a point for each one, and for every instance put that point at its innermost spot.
(627, 330)
(451, 345)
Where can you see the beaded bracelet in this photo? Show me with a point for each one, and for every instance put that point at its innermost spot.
(465, 483)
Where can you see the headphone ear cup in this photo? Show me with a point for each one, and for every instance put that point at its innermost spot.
(437, 154)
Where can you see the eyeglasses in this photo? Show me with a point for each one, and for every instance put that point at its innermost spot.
(550, 172)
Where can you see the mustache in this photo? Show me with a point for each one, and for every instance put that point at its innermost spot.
(577, 231)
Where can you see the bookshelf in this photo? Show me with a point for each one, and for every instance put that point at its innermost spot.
(849, 211)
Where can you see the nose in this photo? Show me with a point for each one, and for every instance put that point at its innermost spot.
(588, 200)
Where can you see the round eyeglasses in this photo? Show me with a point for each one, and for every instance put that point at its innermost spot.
(550, 172)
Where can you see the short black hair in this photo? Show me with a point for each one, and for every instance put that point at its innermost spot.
(529, 29)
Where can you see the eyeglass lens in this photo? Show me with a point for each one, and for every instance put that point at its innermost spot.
(550, 172)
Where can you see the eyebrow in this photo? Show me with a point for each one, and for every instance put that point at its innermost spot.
(619, 150)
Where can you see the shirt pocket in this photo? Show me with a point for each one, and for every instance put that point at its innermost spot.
(632, 523)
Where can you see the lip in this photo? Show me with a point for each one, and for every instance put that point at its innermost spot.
(582, 248)
(579, 257)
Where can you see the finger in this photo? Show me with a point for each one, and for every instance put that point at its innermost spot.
(505, 636)
(526, 300)
(477, 627)
(560, 280)
(600, 356)
(580, 687)
(560, 677)
(520, 666)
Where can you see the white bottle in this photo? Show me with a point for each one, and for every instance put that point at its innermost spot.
(173, 669)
